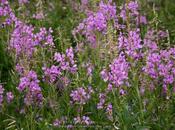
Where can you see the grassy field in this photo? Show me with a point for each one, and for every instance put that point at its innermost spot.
(87, 64)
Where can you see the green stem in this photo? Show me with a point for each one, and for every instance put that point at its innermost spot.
(136, 84)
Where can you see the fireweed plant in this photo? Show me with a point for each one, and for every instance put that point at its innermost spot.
(115, 75)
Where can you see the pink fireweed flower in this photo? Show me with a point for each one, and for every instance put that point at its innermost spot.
(96, 22)
(59, 122)
(24, 41)
(1, 94)
(83, 120)
(81, 95)
(66, 61)
(160, 66)
(118, 74)
(1, 89)
(30, 83)
(89, 68)
(109, 111)
(104, 75)
(23, 1)
(122, 92)
(10, 97)
(58, 57)
(56, 123)
(131, 44)
(51, 74)
(141, 20)
(102, 98)
(39, 15)
(77, 120)
(133, 7)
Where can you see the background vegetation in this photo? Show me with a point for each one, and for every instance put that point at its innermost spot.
(63, 17)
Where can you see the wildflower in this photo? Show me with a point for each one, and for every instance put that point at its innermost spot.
(133, 7)
(23, 1)
(102, 98)
(10, 97)
(131, 44)
(104, 75)
(109, 87)
(58, 57)
(1, 89)
(86, 120)
(89, 68)
(108, 9)
(19, 69)
(83, 120)
(66, 62)
(39, 15)
(56, 123)
(141, 20)
(109, 111)
(31, 83)
(118, 74)
(122, 92)
(1, 94)
(80, 95)
(51, 74)
(77, 120)
(96, 21)
(160, 65)
(84, 2)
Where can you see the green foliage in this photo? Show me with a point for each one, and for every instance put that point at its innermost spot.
(63, 18)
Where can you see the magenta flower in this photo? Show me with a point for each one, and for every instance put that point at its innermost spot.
(83, 120)
(1, 94)
(10, 97)
(30, 83)
(81, 95)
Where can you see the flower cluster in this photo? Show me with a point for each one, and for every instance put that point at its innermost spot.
(160, 65)
(22, 39)
(89, 68)
(118, 72)
(97, 21)
(102, 98)
(30, 83)
(131, 10)
(44, 37)
(130, 58)
(65, 62)
(51, 74)
(10, 97)
(25, 41)
(6, 11)
(39, 16)
(23, 1)
(131, 44)
(83, 120)
(150, 41)
(1, 94)
(58, 122)
(109, 111)
(81, 95)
